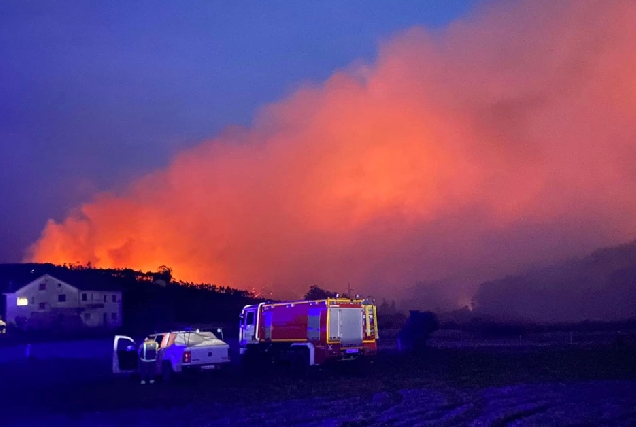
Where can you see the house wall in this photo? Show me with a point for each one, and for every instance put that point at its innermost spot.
(95, 308)
(100, 308)
(39, 300)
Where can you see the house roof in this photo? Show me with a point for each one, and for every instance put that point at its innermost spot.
(15, 276)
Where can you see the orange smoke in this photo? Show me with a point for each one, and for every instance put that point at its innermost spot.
(503, 140)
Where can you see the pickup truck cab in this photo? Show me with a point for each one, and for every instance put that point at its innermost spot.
(179, 351)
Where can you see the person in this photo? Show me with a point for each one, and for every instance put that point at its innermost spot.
(148, 351)
(416, 330)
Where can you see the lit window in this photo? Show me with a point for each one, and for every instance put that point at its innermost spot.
(23, 301)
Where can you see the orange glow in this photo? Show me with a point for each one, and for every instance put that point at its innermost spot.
(504, 140)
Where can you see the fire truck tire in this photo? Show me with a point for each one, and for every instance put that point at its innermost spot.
(362, 366)
(253, 361)
(300, 362)
(247, 364)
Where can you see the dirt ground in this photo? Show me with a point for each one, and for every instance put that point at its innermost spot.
(566, 385)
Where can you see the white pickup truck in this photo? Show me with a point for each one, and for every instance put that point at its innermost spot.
(179, 351)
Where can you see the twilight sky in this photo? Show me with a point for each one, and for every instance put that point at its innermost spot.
(272, 149)
(93, 94)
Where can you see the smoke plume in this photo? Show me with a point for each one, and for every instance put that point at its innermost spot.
(505, 140)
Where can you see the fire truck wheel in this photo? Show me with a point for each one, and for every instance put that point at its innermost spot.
(300, 362)
(361, 366)
(248, 361)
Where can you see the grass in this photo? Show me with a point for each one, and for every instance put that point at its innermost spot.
(55, 386)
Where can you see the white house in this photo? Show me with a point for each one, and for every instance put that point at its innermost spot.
(48, 302)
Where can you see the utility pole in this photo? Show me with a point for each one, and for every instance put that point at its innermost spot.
(349, 290)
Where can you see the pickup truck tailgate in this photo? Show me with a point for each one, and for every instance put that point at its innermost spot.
(202, 355)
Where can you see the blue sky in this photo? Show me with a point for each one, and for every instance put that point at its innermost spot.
(93, 94)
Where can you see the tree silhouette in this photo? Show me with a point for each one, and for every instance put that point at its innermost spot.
(163, 274)
(316, 293)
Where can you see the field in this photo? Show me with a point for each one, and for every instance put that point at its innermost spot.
(584, 384)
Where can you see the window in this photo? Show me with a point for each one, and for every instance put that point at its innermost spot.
(84, 297)
(113, 316)
(59, 285)
(114, 298)
(23, 301)
(159, 339)
(105, 296)
(42, 306)
(105, 318)
(87, 316)
(32, 300)
(250, 318)
(43, 286)
(61, 298)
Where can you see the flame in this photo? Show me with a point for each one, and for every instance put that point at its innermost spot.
(506, 139)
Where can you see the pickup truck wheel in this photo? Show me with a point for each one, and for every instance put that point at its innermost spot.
(167, 372)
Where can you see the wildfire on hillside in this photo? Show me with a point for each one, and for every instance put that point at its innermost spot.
(503, 140)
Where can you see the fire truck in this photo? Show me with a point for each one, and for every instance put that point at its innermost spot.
(308, 333)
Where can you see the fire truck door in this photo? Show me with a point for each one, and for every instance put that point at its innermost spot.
(346, 324)
(249, 326)
(267, 324)
(351, 329)
(313, 324)
(370, 327)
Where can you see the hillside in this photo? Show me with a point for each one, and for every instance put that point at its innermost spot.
(601, 286)
(150, 299)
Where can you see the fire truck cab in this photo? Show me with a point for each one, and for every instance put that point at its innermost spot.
(309, 333)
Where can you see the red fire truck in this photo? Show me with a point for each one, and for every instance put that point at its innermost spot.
(308, 333)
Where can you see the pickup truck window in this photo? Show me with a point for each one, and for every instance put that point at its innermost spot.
(194, 338)
(159, 339)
